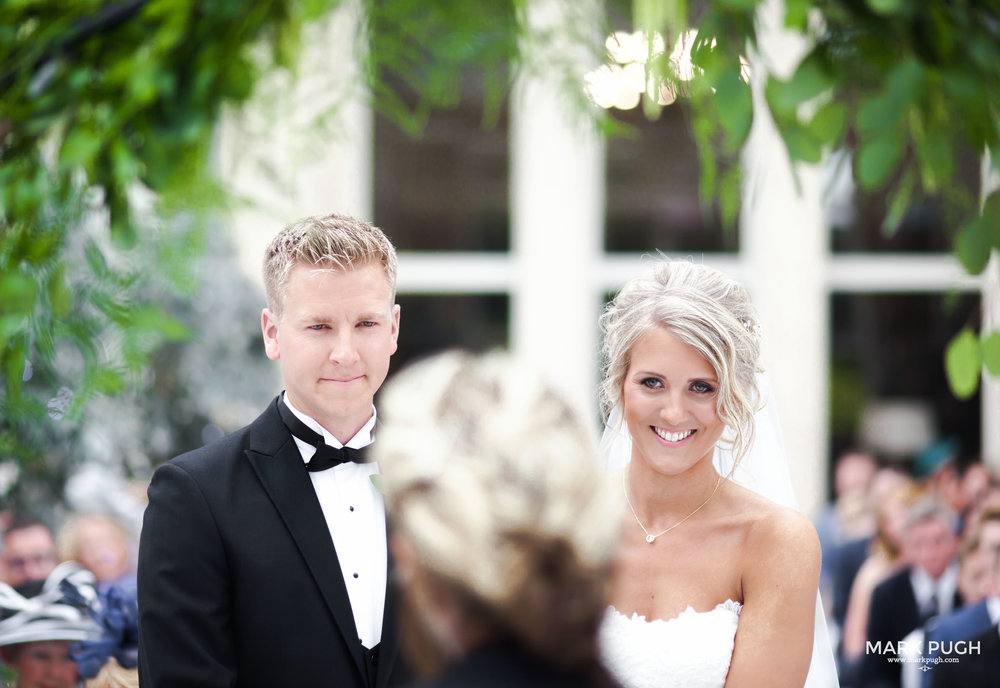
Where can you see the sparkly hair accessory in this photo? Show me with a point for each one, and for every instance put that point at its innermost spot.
(753, 327)
(116, 613)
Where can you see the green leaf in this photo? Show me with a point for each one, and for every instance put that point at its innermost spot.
(42, 246)
(991, 352)
(809, 80)
(885, 7)
(79, 149)
(153, 319)
(802, 145)
(59, 293)
(973, 245)
(797, 14)
(17, 294)
(107, 381)
(937, 160)
(991, 217)
(650, 15)
(878, 158)
(877, 115)
(905, 82)
(899, 203)
(962, 363)
(735, 107)
(828, 123)
(11, 325)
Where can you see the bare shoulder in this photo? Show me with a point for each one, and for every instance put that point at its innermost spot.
(778, 532)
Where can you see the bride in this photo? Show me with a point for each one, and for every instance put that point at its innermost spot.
(715, 584)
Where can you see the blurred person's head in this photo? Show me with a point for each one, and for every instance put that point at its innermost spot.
(955, 486)
(974, 570)
(993, 559)
(503, 528)
(885, 480)
(987, 529)
(894, 492)
(989, 499)
(854, 472)
(946, 483)
(976, 482)
(38, 627)
(852, 478)
(930, 541)
(41, 664)
(27, 552)
(98, 542)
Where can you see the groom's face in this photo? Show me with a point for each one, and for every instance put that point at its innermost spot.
(333, 340)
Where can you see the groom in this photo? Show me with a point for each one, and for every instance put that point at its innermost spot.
(263, 561)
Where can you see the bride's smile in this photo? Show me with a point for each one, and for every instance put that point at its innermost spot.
(670, 396)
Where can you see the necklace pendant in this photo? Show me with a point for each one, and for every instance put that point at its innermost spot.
(650, 538)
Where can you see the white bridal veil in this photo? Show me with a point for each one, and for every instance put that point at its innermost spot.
(764, 470)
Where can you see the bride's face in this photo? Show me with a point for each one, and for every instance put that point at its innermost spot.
(670, 394)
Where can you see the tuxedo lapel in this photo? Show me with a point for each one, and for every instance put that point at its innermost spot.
(278, 464)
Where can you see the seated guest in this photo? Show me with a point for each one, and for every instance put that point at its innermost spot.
(845, 520)
(908, 599)
(977, 658)
(893, 493)
(37, 627)
(502, 525)
(981, 594)
(27, 551)
(101, 545)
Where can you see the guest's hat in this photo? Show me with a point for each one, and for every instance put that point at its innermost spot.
(38, 611)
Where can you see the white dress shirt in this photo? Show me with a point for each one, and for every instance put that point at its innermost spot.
(993, 609)
(924, 587)
(355, 515)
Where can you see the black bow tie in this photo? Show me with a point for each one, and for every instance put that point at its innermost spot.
(325, 456)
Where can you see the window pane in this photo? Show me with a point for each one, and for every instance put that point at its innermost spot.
(430, 323)
(888, 359)
(446, 188)
(652, 189)
(856, 217)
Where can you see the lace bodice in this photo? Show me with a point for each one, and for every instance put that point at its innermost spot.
(692, 650)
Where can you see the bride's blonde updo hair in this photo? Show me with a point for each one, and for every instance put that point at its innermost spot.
(495, 481)
(709, 312)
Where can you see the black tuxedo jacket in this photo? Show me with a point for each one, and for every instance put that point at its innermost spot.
(977, 669)
(892, 616)
(239, 581)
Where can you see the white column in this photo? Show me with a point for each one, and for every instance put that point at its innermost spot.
(784, 254)
(301, 146)
(557, 207)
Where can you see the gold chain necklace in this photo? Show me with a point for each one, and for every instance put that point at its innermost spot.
(650, 537)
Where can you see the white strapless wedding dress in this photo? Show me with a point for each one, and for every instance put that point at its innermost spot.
(692, 650)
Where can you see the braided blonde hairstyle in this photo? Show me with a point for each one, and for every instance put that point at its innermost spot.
(496, 482)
